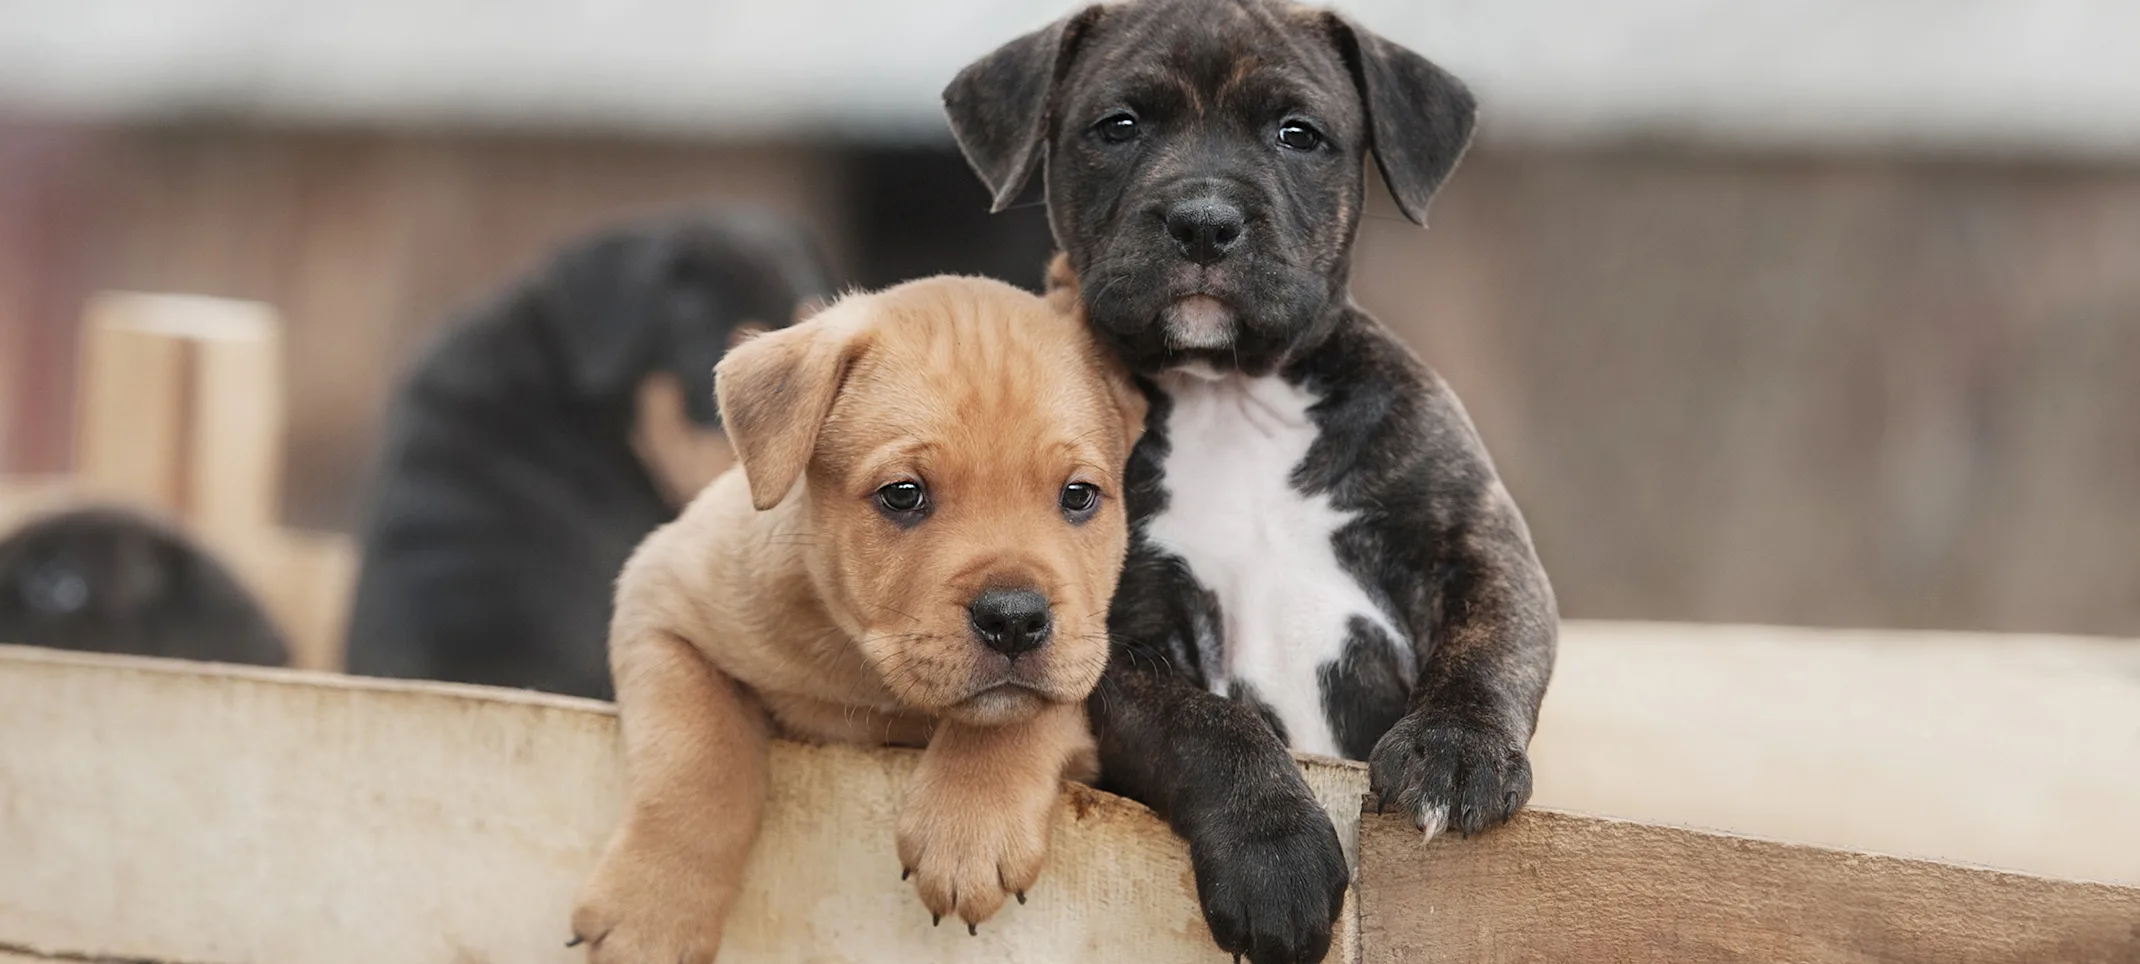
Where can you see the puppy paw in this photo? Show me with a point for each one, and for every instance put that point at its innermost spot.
(967, 854)
(1450, 773)
(1272, 881)
(650, 904)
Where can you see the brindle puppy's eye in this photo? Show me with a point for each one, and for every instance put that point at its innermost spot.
(1117, 128)
(1299, 136)
(1079, 501)
(904, 501)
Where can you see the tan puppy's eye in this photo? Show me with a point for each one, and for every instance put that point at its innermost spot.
(904, 501)
(1080, 500)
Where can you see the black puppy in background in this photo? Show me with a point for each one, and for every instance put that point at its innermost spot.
(1321, 554)
(110, 580)
(522, 461)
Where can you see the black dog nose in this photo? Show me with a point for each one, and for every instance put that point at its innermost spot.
(1204, 228)
(1011, 621)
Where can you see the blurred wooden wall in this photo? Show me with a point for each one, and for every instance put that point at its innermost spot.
(49, 223)
(1841, 392)
(367, 243)
(1819, 391)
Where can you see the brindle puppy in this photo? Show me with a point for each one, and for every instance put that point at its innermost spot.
(1317, 531)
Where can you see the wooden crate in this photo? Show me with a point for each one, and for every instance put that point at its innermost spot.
(183, 812)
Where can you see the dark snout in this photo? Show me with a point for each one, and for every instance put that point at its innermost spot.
(1215, 266)
(1204, 228)
(1011, 621)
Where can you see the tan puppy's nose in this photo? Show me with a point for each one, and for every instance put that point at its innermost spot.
(1011, 621)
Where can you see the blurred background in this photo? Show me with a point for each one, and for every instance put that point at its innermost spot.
(1816, 313)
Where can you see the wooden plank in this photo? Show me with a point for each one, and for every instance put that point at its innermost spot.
(2018, 752)
(304, 580)
(24, 496)
(183, 401)
(234, 461)
(216, 815)
(131, 422)
(1555, 888)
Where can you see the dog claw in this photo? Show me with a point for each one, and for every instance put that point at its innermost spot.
(576, 941)
(936, 920)
(1021, 897)
(973, 929)
(905, 872)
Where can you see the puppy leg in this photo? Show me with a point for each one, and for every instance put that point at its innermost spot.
(695, 745)
(975, 824)
(1458, 759)
(1270, 872)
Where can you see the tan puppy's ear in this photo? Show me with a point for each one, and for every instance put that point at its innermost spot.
(775, 390)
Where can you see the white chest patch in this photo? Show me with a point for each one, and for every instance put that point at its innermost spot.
(1258, 544)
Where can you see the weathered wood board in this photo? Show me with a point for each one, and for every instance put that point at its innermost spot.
(2017, 752)
(231, 816)
(1555, 888)
(179, 812)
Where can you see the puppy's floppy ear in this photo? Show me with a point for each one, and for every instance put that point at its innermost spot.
(1419, 115)
(999, 104)
(775, 390)
(598, 299)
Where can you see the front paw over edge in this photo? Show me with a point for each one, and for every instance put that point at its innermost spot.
(1450, 772)
(1271, 880)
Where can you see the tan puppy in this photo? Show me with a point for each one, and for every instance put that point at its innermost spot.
(919, 548)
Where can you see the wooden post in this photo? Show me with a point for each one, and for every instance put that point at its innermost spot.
(182, 412)
(130, 425)
(234, 461)
(182, 407)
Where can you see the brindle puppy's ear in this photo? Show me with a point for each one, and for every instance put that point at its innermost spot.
(775, 390)
(999, 105)
(1420, 115)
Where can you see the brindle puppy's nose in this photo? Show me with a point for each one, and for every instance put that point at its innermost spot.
(1204, 228)
(1011, 621)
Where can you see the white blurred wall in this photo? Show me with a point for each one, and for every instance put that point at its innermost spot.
(2023, 77)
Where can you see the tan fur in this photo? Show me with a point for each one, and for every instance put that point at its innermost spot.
(783, 602)
(678, 455)
(681, 457)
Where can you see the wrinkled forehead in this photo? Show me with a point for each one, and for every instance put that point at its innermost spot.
(967, 388)
(1207, 54)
